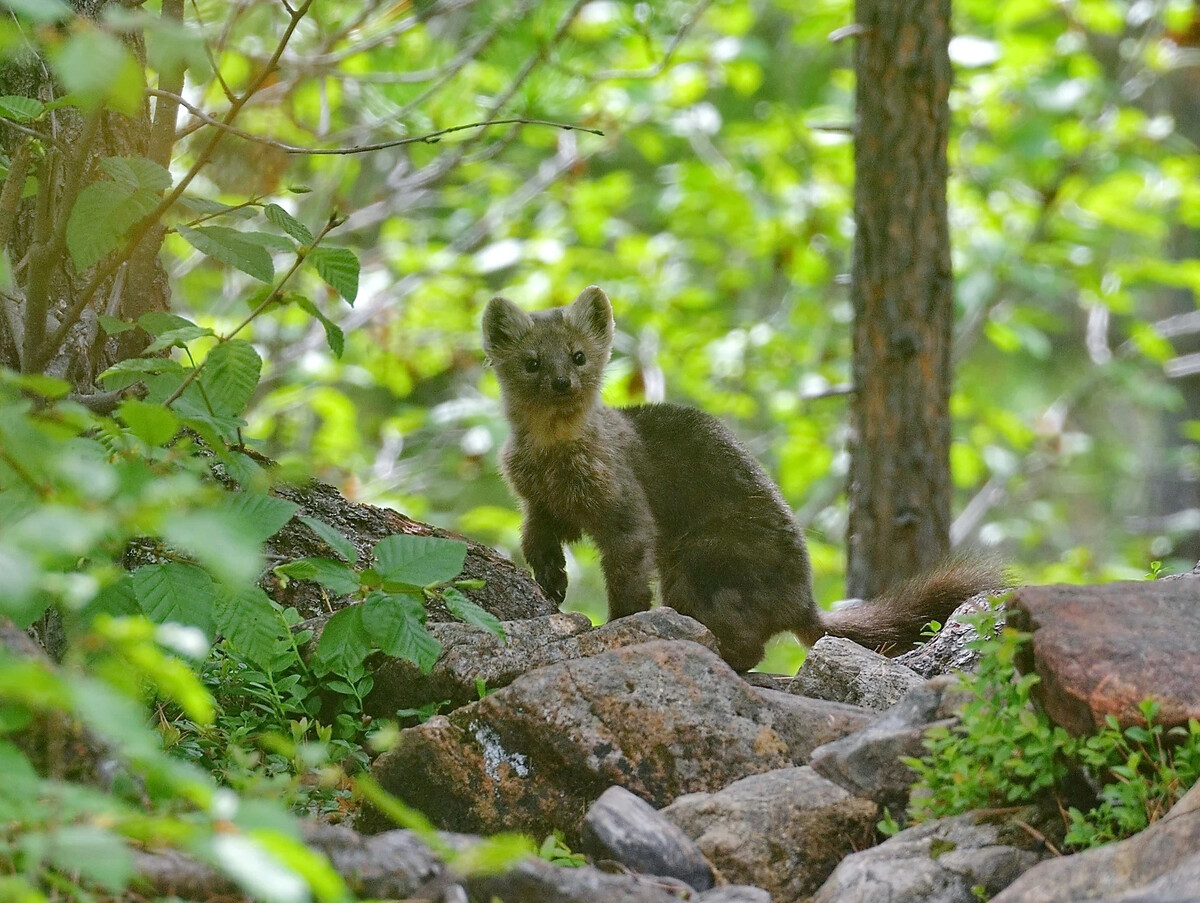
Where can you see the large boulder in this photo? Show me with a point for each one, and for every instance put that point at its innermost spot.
(1101, 650)
(783, 830)
(1162, 864)
(661, 719)
(473, 657)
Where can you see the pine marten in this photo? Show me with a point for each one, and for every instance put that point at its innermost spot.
(668, 488)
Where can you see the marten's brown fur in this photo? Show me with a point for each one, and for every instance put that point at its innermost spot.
(668, 488)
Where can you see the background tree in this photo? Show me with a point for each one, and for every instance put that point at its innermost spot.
(903, 294)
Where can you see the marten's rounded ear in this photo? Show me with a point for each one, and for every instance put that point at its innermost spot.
(503, 324)
(592, 313)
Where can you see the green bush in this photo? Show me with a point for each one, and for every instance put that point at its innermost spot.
(1006, 752)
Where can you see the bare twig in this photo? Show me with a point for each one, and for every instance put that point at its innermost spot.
(430, 138)
(34, 133)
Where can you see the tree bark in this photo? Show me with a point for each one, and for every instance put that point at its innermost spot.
(902, 291)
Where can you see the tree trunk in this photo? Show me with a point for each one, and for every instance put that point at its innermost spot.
(46, 284)
(902, 291)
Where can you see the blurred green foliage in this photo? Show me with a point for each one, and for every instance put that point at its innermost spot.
(716, 211)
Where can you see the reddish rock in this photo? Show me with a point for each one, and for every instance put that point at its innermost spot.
(1101, 650)
(661, 719)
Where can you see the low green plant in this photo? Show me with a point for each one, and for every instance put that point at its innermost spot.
(1006, 752)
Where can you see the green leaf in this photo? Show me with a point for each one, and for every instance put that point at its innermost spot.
(250, 623)
(466, 610)
(343, 645)
(333, 575)
(114, 326)
(102, 215)
(419, 560)
(333, 333)
(264, 515)
(152, 423)
(21, 109)
(230, 376)
(286, 222)
(224, 543)
(175, 592)
(177, 337)
(137, 172)
(41, 10)
(396, 624)
(333, 538)
(270, 241)
(156, 322)
(338, 267)
(209, 207)
(92, 852)
(231, 247)
(97, 68)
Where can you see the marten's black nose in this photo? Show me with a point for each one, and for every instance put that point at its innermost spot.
(560, 384)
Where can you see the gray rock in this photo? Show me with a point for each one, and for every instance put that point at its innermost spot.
(535, 880)
(661, 719)
(734, 893)
(1160, 864)
(949, 651)
(783, 830)
(868, 762)
(627, 829)
(840, 670)
(937, 862)
(471, 655)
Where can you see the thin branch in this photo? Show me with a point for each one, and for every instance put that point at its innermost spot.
(658, 68)
(10, 195)
(301, 254)
(430, 138)
(34, 133)
(148, 222)
(162, 131)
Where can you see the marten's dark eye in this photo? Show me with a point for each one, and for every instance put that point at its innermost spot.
(578, 358)
(531, 365)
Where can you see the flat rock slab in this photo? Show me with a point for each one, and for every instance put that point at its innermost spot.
(1101, 650)
(1162, 864)
(471, 656)
(784, 830)
(938, 862)
(661, 719)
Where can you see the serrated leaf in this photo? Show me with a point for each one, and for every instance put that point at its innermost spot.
(180, 337)
(156, 322)
(221, 541)
(466, 610)
(333, 575)
(333, 538)
(102, 215)
(343, 645)
(92, 852)
(338, 267)
(396, 624)
(152, 423)
(250, 624)
(264, 515)
(230, 247)
(288, 223)
(113, 326)
(230, 376)
(419, 560)
(270, 241)
(333, 333)
(209, 207)
(137, 172)
(21, 109)
(175, 592)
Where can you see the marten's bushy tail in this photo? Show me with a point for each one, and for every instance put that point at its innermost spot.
(894, 621)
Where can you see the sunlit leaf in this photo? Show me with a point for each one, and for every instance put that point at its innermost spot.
(338, 267)
(231, 247)
(419, 560)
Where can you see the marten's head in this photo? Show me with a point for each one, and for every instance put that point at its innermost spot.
(550, 363)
